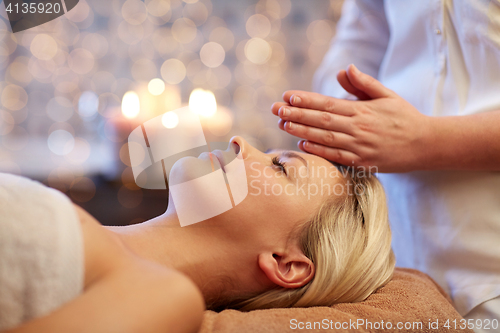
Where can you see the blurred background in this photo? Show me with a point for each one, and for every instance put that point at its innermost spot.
(72, 89)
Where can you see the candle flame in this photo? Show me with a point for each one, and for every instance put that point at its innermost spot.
(130, 105)
(203, 102)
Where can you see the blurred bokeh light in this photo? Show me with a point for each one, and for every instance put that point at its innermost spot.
(170, 119)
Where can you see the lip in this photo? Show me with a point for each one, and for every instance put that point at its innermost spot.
(218, 155)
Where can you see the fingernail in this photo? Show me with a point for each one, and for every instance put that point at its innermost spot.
(284, 112)
(355, 69)
(296, 100)
(291, 125)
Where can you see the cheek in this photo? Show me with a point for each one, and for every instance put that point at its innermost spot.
(272, 197)
(268, 199)
(268, 215)
(263, 180)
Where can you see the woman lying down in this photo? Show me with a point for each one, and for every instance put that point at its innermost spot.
(61, 271)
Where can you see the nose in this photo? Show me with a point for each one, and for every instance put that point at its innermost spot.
(238, 144)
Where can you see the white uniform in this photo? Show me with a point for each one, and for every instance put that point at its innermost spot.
(444, 58)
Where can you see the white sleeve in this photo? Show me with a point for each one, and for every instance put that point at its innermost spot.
(361, 39)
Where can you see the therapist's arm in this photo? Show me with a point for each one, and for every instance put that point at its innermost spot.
(384, 130)
(362, 35)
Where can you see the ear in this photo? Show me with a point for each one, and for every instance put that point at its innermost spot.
(288, 270)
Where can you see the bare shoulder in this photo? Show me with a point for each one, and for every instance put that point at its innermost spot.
(103, 251)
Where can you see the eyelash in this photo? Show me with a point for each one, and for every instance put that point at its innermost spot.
(279, 164)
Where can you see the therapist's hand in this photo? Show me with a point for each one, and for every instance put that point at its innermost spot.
(380, 129)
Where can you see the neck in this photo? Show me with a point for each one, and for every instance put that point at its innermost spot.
(204, 252)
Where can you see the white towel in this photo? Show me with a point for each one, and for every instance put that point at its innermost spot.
(41, 250)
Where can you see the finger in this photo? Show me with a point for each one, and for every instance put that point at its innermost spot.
(319, 119)
(315, 101)
(336, 155)
(321, 136)
(347, 85)
(276, 106)
(367, 84)
(281, 124)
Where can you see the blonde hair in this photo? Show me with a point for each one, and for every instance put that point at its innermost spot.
(349, 242)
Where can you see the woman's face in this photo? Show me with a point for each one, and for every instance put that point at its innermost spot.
(285, 189)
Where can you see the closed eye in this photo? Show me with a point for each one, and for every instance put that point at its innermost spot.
(277, 162)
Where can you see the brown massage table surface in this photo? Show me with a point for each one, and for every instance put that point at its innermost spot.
(411, 297)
